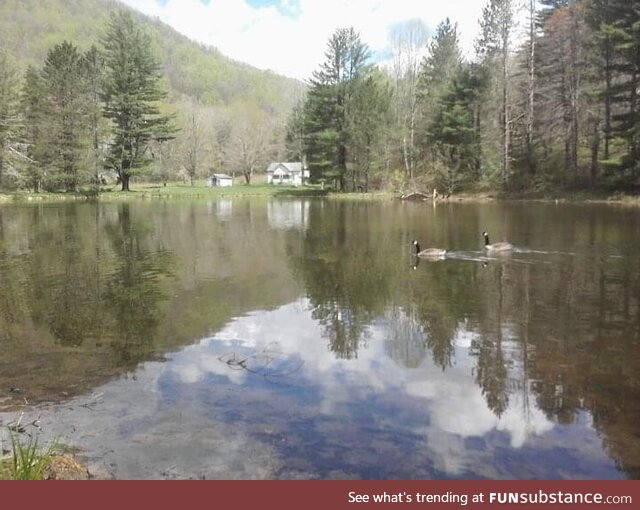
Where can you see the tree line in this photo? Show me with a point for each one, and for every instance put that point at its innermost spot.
(85, 118)
(83, 113)
(555, 109)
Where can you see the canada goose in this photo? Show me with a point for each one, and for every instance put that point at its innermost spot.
(504, 246)
(429, 253)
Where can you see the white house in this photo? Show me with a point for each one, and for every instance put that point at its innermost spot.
(220, 180)
(292, 174)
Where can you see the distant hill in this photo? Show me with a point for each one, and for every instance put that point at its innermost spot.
(29, 28)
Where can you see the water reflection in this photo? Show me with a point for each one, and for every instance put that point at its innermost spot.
(84, 293)
(300, 412)
(325, 353)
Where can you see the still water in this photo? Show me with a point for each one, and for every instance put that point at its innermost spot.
(297, 338)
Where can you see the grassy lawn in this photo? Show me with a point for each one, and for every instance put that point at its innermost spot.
(200, 189)
(259, 188)
(171, 190)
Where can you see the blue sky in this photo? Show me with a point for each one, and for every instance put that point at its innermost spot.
(290, 36)
(291, 8)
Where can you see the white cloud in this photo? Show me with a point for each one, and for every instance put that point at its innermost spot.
(456, 403)
(268, 39)
(174, 420)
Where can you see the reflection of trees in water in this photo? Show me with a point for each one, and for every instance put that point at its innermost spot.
(559, 331)
(418, 330)
(132, 291)
(83, 287)
(491, 371)
(14, 293)
(573, 334)
(441, 329)
(344, 329)
(76, 311)
(405, 337)
(81, 298)
(436, 306)
(14, 288)
(62, 303)
(346, 285)
(593, 359)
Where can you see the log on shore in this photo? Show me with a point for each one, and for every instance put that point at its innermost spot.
(415, 195)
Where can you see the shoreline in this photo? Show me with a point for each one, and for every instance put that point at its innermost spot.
(173, 192)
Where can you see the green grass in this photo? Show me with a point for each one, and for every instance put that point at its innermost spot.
(26, 461)
(179, 190)
(172, 190)
(201, 190)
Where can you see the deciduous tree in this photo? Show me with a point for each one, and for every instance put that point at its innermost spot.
(9, 115)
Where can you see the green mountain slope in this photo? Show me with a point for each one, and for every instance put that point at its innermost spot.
(29, 28)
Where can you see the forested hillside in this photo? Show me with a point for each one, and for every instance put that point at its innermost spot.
(30, 28)
(64, 88)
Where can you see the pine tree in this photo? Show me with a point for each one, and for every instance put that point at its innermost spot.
(600, 16)
(453, 131)
(443, 59)
(131, 95)
(624, 30)
(294, 134)
(438, 67)
(63, 79)
(369, 114)
(328, 105)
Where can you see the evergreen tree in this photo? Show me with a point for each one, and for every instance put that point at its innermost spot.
(443, 59)
(63, 79)
(439, 66)
(600, 16)
(131, 95)
(623, 28)
(453, 131)
(294, 134)
(369, 114)
(329, 105)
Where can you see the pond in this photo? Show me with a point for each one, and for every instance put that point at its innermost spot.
(302, 339)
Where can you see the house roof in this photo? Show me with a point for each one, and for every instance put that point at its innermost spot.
(292, 168)
(222, 176)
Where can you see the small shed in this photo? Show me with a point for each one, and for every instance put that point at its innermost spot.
(220, 181)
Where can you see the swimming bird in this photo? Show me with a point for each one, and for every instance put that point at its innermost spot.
(496, 247)
(429, 253)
